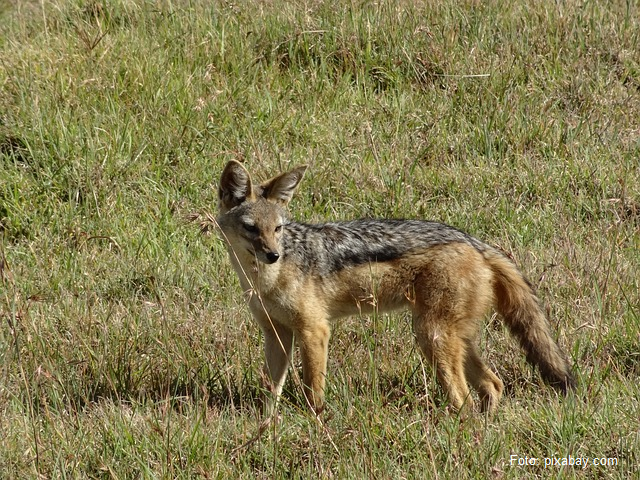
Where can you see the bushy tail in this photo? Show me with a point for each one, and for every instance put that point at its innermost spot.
(521, 310)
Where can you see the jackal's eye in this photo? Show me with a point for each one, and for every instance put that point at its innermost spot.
(251, 228)
(278, 228)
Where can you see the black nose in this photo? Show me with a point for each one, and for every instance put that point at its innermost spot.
(272, 257)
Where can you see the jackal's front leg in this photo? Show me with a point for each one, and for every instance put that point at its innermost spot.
(313, 340)
(278, 345)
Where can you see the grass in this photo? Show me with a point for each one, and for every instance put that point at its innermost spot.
(126, 350)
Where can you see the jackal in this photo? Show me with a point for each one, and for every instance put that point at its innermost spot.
(301, 276)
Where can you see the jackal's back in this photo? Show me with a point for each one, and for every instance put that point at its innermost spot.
(330, 247)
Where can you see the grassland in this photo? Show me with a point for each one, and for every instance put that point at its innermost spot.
(126, 350)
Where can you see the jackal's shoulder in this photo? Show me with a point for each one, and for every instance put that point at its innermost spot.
(331, 246)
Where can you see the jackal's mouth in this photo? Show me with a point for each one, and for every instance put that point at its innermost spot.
(268, 258)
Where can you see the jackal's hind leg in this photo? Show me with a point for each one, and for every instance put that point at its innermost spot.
(483, 380)
(446, 352)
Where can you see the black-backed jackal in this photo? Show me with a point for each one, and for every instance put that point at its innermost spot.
(301, 276)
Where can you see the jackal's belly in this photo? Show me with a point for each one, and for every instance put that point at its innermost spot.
(373, 287)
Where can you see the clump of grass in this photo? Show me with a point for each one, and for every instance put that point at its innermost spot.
(125, 346)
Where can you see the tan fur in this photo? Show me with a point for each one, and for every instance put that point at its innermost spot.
(448, 287)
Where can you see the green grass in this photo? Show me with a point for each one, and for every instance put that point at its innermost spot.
(126, 350)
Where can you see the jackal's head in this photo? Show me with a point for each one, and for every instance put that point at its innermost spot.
(252, 216)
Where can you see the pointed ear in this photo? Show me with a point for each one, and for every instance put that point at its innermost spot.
(235, 186)
(280, 189)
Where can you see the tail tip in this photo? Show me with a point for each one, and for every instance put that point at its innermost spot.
(564, 384)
